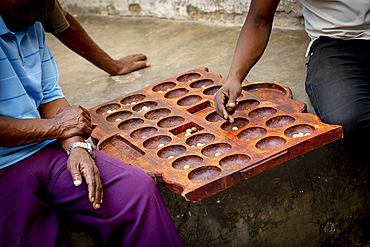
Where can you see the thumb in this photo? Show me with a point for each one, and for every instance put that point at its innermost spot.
(232, 99)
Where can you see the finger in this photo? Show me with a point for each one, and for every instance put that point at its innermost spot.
(87, 173)
(74, 169)
(87, 115)
(220, 98)
(140, 57)
(98, 191)
(139, 65)
(232, 99)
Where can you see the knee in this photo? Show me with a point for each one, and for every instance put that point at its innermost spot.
(356, 125)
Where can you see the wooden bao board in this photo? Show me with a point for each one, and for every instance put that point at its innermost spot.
(147, 129)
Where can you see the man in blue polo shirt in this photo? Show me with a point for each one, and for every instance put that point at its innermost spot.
(44, 159)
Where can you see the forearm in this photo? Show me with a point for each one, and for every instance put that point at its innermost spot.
(15, 132)
(253, 38)
(76, 38)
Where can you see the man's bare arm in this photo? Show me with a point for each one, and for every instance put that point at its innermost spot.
(76, 38)
(251, 44)
(70, 121)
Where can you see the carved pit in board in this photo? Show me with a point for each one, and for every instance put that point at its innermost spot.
(133, 99)
(143, 133)
(176, 93)
(251, 134)
(107, 109)
(212, 90)
(238, 123)
(199, 140)
(157, 141)
(263, 112)
(214, 117)
(145, 105)
(170, 122)
(305, 129)
(130, 124)
(119, 147)
(157, 114)
(188, 77)
(234, 161)
(280, 121)
(118, 116)
(246, 105)
(217, 149)
(165, 86)
(204, 173)
(266, 91)
(171, 152)
(187, 162)
(180, 131)
(202, 83)
(189, 100)
(270, 143)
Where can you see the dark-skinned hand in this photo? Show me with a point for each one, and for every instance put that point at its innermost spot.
(72, 121)
(80, 164)
(130, 63)
(225, 99)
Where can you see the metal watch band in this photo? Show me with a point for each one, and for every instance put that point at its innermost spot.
(86, 146)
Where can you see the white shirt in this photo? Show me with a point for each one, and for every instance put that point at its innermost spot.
(340, 19)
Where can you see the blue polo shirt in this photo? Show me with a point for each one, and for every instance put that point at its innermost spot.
(28, 79)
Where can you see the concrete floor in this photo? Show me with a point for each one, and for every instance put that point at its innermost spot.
(318, 199)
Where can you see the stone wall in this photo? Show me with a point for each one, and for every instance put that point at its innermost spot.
(224, 12)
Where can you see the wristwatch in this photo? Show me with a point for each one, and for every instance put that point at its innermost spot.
(86, 146)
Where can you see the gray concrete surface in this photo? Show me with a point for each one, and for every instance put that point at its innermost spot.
(226, 12)
(317, 199)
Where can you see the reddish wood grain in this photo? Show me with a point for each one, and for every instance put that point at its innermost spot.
(148, 129)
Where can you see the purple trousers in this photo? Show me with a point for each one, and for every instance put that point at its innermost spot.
(36, 189)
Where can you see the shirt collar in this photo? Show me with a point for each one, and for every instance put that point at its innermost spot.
(3, 28)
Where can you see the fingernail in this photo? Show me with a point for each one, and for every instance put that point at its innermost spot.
(97, 205)
(77, 182)
(225, 116)
(147, 64)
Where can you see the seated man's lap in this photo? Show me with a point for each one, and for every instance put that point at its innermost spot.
(34, 188)
(338, 84)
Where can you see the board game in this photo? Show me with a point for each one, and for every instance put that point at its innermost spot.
(170, 130)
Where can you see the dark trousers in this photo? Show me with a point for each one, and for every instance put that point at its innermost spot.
(338, 84)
